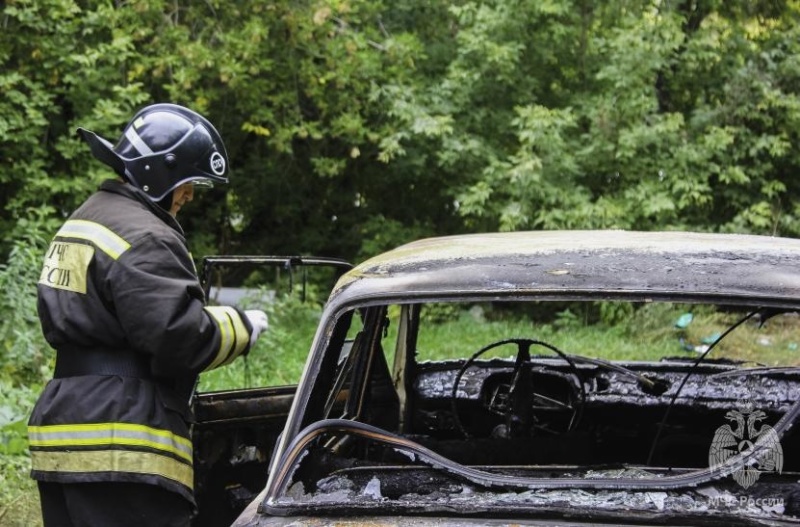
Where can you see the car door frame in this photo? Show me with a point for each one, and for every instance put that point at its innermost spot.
(234, 431)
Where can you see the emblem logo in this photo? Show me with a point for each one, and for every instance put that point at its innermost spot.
(742, 438)
(217, 163)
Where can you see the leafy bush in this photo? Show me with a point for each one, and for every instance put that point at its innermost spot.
(440, 313)
(25, 359)
(25, 364)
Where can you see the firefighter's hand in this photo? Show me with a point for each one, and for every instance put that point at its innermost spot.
(258, 320)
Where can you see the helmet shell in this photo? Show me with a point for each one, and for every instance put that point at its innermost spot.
(162, 147)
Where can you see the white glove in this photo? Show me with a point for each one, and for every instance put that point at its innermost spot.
(257, 319)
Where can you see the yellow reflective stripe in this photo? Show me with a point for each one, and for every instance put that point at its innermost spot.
(226, 334)
(102, 237)
(241, 333)
(117, 434)
(234, 336)
(126, 461)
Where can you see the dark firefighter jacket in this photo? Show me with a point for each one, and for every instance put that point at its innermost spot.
(120, 301)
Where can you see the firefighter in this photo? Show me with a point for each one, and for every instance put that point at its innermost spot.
(120, 302)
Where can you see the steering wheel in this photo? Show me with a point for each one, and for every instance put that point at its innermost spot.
(518, 402)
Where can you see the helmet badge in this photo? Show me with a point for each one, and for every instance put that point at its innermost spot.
(217, 163)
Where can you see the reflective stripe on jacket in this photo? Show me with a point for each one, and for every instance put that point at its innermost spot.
(118, 281)
(112, 447)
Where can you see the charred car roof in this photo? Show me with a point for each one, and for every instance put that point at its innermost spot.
(636, 265)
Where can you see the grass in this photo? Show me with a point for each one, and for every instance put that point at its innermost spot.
(648, 333)
(19, 498)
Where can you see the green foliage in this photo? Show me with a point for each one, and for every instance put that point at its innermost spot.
(612, 313)
(24, 365)
(380, 234)
(25, 356)
(635, 115)
(439, 313)
(279, 355)
(354, 125)
(567, 319)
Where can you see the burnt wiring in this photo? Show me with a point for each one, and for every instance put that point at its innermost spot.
(689, 373)
(761, 371)
(646, 383)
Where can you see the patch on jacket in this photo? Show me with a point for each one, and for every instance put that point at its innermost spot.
(66, 265)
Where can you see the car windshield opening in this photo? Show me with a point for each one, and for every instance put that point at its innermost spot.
(470, 404)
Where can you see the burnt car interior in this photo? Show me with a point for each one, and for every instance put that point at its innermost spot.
(520, 414)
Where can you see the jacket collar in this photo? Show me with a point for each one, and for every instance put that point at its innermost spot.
(125, 189)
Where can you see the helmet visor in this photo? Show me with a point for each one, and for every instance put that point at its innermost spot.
(199, 182)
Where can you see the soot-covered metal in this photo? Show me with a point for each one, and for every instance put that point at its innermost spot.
(548, 435)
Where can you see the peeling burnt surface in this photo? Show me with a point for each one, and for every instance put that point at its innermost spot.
(619, 420)
(713, 385)
(612, 439)
(401, 490)
(732, 274)
(256, 404)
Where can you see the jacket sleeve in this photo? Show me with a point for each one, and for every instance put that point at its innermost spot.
(161, 308)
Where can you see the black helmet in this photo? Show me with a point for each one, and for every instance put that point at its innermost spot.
(162, 147)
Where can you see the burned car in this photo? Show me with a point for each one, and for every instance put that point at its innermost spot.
(581, 377)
